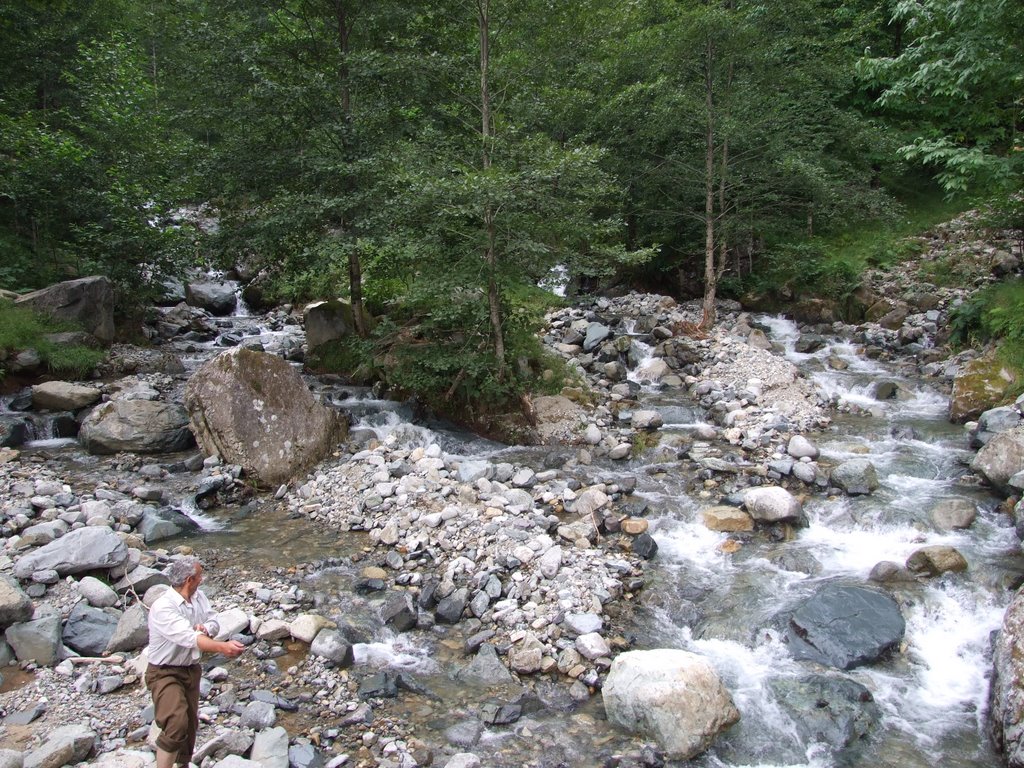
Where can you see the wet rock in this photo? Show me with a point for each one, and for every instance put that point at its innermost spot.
(936, 560)
(645, 546)
(465, 734)
(88, 630)
(88, 301)
(63, 396)
(727, 519)
(855, 476)
(887, 572)
(843, 626)
(399, 612)
(671, 696)
(1001, 458)
(331, 645)
(993, 422)
(825, 709)
(954, 514)
(772, 505)
(253, 409)
(84, 549)
(158, 524)
(485, 668)
(496, 713)
(646, 420)
(14, 431)
(450, 609)
(136, 426)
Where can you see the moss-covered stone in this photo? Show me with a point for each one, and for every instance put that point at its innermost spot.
(980, 385)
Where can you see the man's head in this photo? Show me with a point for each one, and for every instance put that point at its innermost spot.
(185, 575)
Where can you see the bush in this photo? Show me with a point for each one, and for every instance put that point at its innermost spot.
(995, 314)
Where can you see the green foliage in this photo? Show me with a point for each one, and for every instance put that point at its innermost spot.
(994, 314)
(21, 328)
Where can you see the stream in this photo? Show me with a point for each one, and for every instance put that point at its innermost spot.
(703, 596)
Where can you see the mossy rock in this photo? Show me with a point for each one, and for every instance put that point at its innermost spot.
(980, 385)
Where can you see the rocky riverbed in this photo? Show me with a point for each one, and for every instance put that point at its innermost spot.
(504, 581)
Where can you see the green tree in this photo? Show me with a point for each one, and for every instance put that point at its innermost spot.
(957, 84)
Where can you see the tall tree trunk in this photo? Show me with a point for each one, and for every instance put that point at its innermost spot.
(343, 30)
(710, 273)
(486, 133)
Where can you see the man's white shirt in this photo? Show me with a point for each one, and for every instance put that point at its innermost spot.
(173, 638)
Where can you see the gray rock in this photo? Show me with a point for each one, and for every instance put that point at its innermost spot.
(270, 748)
(646, 420)
(86, 549)
(954, 514)
(13, 758)
(305, 756)
(136, 426)
(68, 744)
(463, 760)
(451, 608)
(1006, 693)
(592, 646)
(217, 298)
(855, 477)
(772, 504)
(15, 605)
(236, 761)
(799, 447)
(132, 631)
(253, 409)
(258, 715)
(331, 645)
(88, 301)
(140, 579)
(159, 524)
(582, 623)
(1001, 458)
(465, 733)
(63, 396)
(399, 612)
(88, 630)
(843, 626)
(327, 321)
(596, 333)
(485, 668)
(671, 696)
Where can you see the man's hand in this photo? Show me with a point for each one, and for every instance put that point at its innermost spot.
(231, 648)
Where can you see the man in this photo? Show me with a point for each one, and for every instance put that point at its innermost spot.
(180, 629)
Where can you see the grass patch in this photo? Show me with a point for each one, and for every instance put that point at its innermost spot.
(22, 328)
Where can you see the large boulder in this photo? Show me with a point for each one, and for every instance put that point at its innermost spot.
(1001, 458)
(330, 320)
(136, 426)
(88, 301)
(843, 626)
(88, 630)
(672, 696)
(217, 298)
(1006, 693)
(253, 409)
(978, 386)
(63, 396)
(37, 640)
(85, 549)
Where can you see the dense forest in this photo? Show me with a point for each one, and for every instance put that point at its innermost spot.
(434, 163)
